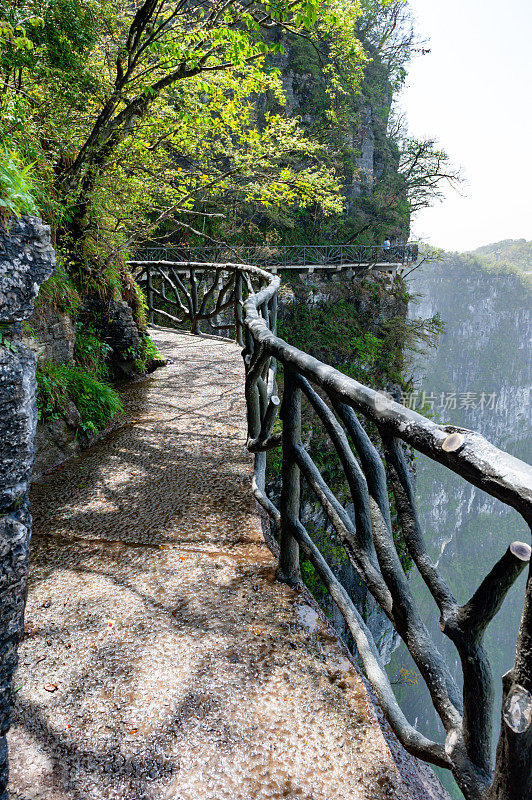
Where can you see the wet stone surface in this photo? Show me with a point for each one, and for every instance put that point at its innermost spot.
(161, 661)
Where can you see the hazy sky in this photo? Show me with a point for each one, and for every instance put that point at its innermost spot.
(473, 93)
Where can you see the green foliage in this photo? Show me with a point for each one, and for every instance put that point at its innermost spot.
(510, 255)
(141, 119)
(6, 333)
(139, 304)
(58, 384)
(312, 581)
(509, 252)
(16, 193)
(133, 116)
(361, 329)
(148, 356)
(27, 329)
(274, 459)
(59, 293)
(405, 558)
(333, 552)
(90, 352)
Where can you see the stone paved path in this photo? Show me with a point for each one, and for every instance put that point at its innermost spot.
(161, 661)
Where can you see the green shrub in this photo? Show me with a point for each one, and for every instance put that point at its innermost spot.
(312, 580)
(16, 196)
(59, 293)
(90, 352)
(96, 402)
(148, 355)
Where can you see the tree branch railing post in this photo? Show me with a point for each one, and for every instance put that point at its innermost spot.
(288, 570)
(194, 297)
(149, 293)
(238, 310)
(370, 470)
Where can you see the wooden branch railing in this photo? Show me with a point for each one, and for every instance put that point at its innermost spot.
(202, 293)
(250, 294)
(287, 256)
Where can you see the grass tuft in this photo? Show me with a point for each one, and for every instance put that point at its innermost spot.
(58, 384)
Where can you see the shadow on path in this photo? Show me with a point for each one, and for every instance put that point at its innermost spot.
(161, 661)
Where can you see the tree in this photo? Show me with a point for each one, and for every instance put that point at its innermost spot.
(133, 113)
(423, 168)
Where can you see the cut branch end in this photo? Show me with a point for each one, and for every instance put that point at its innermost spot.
(453, 442)
(521, 550)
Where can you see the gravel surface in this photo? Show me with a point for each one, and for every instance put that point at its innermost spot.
(161, 661)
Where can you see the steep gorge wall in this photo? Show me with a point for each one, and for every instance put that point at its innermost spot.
(483, 351)
(483, 361)
(365, 153)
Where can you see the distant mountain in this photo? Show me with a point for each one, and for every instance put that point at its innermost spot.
(513, 254)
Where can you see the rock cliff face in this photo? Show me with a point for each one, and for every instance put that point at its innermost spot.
(53, 334)
(483, 374)
(26, 260)
(365, 154)
(117, 328)
(301, 81)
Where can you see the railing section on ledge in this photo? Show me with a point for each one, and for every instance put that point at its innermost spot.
(248, 295)
(274, 257)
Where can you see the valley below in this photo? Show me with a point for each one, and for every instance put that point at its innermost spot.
(479, 378)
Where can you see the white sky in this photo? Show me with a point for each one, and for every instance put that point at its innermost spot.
(473, 93)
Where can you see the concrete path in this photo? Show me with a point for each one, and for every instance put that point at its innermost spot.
(161, 661)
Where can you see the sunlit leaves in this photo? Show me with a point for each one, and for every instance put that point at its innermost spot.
(16, 196)
(157, 109)
(203, 147)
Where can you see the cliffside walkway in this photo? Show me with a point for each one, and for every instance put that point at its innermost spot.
(295, 258)
(161, 660)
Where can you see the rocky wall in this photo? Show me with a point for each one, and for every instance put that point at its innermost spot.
(53, 334)
(27, 259)
(117, 328)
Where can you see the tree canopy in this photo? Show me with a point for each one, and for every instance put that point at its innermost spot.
(78, 81)
(160, 118)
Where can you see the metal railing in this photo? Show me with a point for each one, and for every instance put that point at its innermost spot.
(370, 470)
(287, 256)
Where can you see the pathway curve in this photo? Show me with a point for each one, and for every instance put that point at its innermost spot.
(161, 661)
